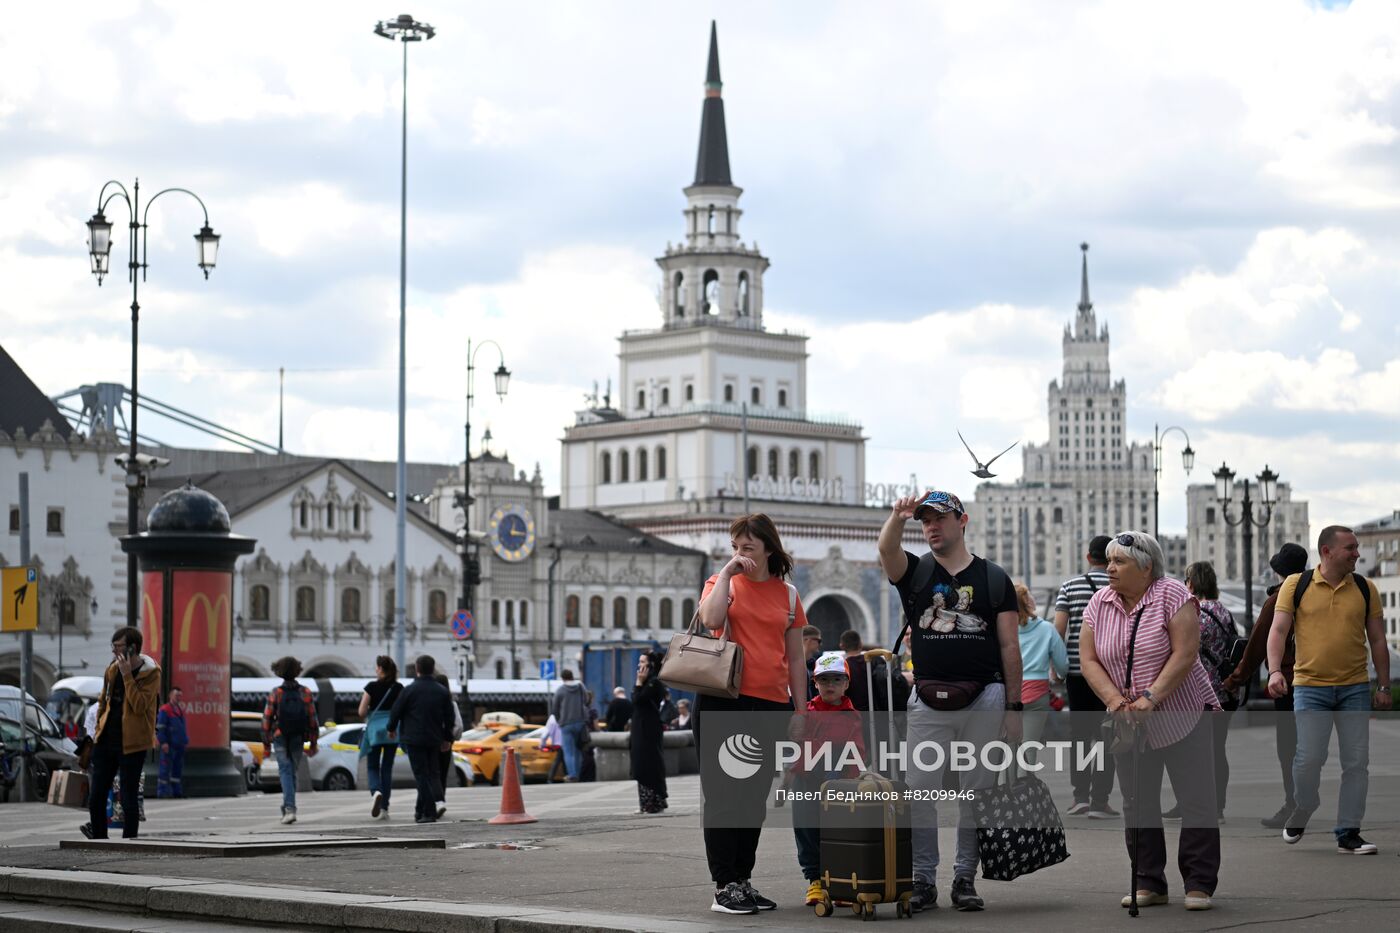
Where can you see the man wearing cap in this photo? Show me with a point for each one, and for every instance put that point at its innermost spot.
(1091, 787)
(961, 615)
(1290, 559)
(812, 648)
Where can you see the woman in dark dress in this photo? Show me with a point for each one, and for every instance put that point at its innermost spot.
(648, 765)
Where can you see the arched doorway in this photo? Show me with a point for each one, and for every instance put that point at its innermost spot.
(834, 613)
(329, 668)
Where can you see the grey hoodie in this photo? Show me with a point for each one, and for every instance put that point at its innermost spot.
(570, 703)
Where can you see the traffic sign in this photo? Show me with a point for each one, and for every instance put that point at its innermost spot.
(462, 623)
(547, 669)
(19, 599)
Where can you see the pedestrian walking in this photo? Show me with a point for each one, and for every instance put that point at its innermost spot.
(619, 711)
(750, 595)
(1139, 650)
(1291, 558)
(290, 729)
(173, 737)
(379, 751)
(124, 732)
(445, 755)
(1043, 652)
(648, 763)
(960, 613)
(1091, 787)
(682, 715)
(422, 721)
(570, 706)
(1334, 613)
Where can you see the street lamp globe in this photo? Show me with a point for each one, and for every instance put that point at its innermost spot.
(208, 242)
(1268, 485)
(1188, 458)
(502, 380)
(1224, 483)
(100, 245)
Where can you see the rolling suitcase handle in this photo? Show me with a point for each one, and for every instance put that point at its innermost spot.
(890, 658)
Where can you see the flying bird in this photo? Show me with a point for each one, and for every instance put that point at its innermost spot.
(982, 472)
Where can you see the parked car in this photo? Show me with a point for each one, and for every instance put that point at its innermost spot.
(485, 746)
(337, 762)
(246, 743)
(52, 752)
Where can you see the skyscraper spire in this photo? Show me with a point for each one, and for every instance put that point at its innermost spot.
(712, 161)
(1085, 305)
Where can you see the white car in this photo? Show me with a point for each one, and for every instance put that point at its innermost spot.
(337, 763)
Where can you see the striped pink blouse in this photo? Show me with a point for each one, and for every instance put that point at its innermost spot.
(1176, 715)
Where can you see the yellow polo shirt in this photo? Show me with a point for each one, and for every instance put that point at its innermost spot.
(1330, 630)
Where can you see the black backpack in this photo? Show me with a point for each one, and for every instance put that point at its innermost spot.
(1225, 665)
(1305, 578)
(292, 715)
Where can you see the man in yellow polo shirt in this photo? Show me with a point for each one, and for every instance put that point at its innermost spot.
(1330, 683)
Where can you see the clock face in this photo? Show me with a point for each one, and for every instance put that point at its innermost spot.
(512, 532)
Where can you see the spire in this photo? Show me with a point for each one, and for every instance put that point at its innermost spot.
(712, 161)
(1085, 305)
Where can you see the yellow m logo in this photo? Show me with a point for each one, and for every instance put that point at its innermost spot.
(214, 616)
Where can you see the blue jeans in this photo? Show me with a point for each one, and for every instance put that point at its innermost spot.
(572, 733)
(1317, 710)
(288, 758)
(379, 766)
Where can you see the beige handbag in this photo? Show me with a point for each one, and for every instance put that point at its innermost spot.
(700, 663)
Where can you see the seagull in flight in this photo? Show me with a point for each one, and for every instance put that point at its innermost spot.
(982, 472)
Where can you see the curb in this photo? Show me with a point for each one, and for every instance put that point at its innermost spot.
(166, 899)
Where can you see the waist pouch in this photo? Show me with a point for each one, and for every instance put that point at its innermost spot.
(948, 694)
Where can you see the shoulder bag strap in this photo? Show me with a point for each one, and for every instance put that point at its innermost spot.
(384, 699)
(792, 604)
(1093, 587)
(1132, 647)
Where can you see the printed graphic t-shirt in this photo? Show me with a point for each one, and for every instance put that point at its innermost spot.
(758, 623)
(953, 631)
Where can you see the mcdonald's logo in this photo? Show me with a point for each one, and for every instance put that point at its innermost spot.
(215, 615)
(151, 617)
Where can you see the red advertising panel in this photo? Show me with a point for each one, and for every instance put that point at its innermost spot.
(152, 598)
(203, 643)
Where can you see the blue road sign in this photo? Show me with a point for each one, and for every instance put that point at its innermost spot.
(462, 624)
(547, 669)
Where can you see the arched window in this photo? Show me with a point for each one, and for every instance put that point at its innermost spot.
(728, 392)
(782, 398)
(1059, 515)
(303, 515)
(665, 396)
(524, 614)
(330, 515)
(710, 221)
(595, 612)
(624, 466)
(606, 467)
(641, 399)
(678, 294)
(814, 466)
(350, 604)
(510, 615)
(259, 603)
(661, 463)
(495, 613)
(643, 613)
(744, 293)
(620, 612)
(305, 604)
(773, 462)
(689, 392)
(751, 462)
(67, 612)
(664, 620)
(687, 611)
(571, 612)
(389, 602)
(500, 669)
(794, 464)
(710, 286)
(641, 464)
(437, 607)
(355, 516)
(755, 395)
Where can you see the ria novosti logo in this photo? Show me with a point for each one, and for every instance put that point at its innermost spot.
(740, 756)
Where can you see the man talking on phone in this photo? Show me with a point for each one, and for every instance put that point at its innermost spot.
(126, 730)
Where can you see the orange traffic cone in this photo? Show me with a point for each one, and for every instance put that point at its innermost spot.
(512, 804)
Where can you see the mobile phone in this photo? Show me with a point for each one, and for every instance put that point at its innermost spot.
(132, 651)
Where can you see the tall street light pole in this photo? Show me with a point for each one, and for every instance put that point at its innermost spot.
(1224, 488)
(471, 564)
(405, 29)
(100, 250)
(1188, 459)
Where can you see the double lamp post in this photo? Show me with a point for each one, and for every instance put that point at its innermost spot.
(1247, 522)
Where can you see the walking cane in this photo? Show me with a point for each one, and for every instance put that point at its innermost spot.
(1137, 820)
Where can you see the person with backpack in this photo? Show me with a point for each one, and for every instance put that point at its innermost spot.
(1291, 558)
(960, 613)
(289, 720)
(422, 720)
(1091, 788)
(570, 708)
(1335, 613)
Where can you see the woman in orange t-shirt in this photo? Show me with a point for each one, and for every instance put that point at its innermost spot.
(765, 618)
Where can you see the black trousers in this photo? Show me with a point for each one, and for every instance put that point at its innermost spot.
(734, 810)
(423, 759)
(444, 770)
(107, 762)
(1089, 785)
(1286, 739)
(1190, 765)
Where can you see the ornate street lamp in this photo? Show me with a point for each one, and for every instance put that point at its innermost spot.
(1188, 460)
(1247, 522)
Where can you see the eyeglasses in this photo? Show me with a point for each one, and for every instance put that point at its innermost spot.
(1126, 540)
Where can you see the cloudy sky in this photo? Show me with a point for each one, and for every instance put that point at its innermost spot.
(920, 174)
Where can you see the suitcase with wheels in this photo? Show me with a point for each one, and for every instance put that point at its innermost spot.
(866, 851)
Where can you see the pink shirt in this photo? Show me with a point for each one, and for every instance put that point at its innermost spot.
(1176, 715)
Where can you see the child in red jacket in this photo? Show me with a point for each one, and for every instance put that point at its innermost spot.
(837, 729)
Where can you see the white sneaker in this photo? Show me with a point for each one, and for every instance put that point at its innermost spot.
(441, 808)
(289, 816)
(377, 805)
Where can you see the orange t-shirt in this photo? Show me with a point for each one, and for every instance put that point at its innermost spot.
(758, 623)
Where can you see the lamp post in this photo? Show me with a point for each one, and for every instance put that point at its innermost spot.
(471, 564)
(100, 250)
(1188, 459)
(404, 29)
(1268, 488)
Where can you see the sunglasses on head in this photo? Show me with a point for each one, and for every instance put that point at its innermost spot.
(1126, 540)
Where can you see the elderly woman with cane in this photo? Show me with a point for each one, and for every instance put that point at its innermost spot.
(1139, 650)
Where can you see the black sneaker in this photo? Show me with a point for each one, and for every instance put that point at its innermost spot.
(86, 830)
(733, 900)
(1291, 834)
(925, 897)
(1278, 820)
(964, 895)
(1351, 843)
(759, 901)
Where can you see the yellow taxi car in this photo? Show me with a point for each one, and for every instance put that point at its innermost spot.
(246, 742)
(485, 747)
